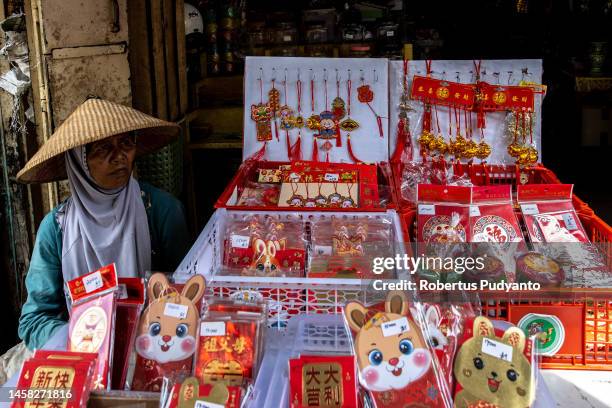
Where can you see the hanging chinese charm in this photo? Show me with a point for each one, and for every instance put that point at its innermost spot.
(274, 104)
(338, 105)
(314, 121)
(404, 139)
(328, 125)
(349, 124)
(262, 115)
(366, 95)
(285, 112)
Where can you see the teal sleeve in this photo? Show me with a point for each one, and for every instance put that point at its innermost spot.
(45, 309)
(175, 240)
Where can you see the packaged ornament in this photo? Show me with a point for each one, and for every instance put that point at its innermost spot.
(555, 230)
(443, 213)
(322, 381)
(495, 366)
(395, 362)
(130, 301)
(549, 213)
(192, 392)
(167, 332)
(259, 195)
(229, 346)
(91, 327)
(444, 328)
(265, 246)
(496, 233)
(443, 216)
(536, 267)
(344, 247)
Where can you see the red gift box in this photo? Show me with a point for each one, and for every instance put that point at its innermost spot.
(328, 381)
(46, 382)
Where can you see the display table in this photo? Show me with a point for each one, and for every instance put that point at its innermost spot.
(587, 388)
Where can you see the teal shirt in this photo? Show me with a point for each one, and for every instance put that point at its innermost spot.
(45, 310)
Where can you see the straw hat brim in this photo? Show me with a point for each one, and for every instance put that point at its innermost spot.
(93, 120)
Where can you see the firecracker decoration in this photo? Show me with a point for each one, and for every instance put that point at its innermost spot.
(274, 104)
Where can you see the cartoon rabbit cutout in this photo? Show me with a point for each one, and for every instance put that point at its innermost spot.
(264, 258)
(391, 352)
(168, 326)
(503, 381)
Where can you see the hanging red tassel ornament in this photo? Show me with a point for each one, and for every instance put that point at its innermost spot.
(349, 148)
(296, 153)
(288, 145)
(315, 150)
(402, 137)
(258, 155)
(338, 135)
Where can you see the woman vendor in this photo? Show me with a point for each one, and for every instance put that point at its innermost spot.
(109, 218)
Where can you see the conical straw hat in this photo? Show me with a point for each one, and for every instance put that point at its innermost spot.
(93, 120)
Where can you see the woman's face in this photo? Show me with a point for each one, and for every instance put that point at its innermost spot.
(111, 160)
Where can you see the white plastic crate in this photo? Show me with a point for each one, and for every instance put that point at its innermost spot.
(286, 297)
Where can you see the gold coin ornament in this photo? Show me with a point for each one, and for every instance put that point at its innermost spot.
(458, 146)
(532, 155)
(349, 125)
(441, 145)
(470, 149)
(484, 150)
(433, 144)
(424, 140)
(514, 149)
(298, 122)
(314, 123)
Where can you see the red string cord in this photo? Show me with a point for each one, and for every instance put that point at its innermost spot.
(349, 85)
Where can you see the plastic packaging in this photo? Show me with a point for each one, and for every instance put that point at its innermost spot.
(259, 195)
(130, 301)
(495, 366)
(345, 247)
(167, 332)
(193, 392)
(444, 328)
(555, 231)
(230, 343)
(264, 246)
(497, 234)
(91, 328)
(395, 362)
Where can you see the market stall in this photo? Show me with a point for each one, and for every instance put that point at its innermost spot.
(349, 167)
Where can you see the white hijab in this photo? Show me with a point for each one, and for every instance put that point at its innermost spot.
(102, 226)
